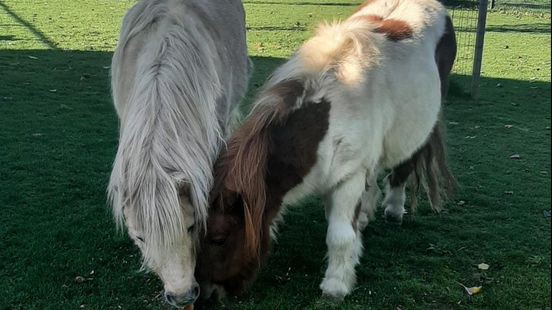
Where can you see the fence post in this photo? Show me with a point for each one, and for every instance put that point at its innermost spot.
(478, 54)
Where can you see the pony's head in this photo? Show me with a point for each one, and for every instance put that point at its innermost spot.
(160, 214)
(171, 254)
(242, 205)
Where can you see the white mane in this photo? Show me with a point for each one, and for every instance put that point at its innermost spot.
(169, 131)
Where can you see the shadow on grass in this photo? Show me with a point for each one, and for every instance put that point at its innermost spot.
(530, 28)
(517, 6)
(276, 28)
(303, 3)
(59, 137)
(8, 38)
(37, 33)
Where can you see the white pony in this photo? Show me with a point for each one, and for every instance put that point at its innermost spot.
(360, 96)
(178, 73)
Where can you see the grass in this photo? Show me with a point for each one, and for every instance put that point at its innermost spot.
(58, 136)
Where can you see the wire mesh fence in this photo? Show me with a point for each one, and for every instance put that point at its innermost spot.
(464, 14)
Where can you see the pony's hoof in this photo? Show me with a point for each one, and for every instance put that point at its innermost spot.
(328, 302)
(334, 290)
(393, 216)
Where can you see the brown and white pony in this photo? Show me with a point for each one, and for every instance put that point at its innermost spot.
(178, 72)
(358, 97)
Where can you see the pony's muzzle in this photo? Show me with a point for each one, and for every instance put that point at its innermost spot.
(185, 299)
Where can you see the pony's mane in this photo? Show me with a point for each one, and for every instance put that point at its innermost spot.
(169, 132)
(242, 168)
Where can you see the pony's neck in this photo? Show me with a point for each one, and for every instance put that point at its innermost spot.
(293, 151)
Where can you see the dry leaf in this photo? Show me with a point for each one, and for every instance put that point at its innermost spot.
(471, 290)
(32, 57)
(509, 192)
(515, 156)
(508, 126)
(483, 266)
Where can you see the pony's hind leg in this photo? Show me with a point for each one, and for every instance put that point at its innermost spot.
(395, 195)
(368, 202)
(343, 238)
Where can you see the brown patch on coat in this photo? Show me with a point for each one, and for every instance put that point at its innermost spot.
(393, 29)
(364, 4)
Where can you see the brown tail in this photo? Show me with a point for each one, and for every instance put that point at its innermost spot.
(431, 171)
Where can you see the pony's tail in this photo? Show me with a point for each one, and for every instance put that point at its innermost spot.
(432, 172)
(431, 168)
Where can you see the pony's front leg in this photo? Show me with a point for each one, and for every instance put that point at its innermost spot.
(343, 237)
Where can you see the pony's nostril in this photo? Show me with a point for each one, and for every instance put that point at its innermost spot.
(171, 299)
(195, 290)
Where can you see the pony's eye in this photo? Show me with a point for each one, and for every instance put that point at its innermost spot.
(219, 241)
(191, 228)
(140, 239)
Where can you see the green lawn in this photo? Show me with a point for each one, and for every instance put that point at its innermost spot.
(58, 137)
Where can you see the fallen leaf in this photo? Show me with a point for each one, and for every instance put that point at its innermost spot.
(53, 90)
(508, 126)
(80, 279)
(509, 192)
(32, 57)
(471, 290)
(546, 214)
(483, 266)
(461, 203)
(515, 156)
